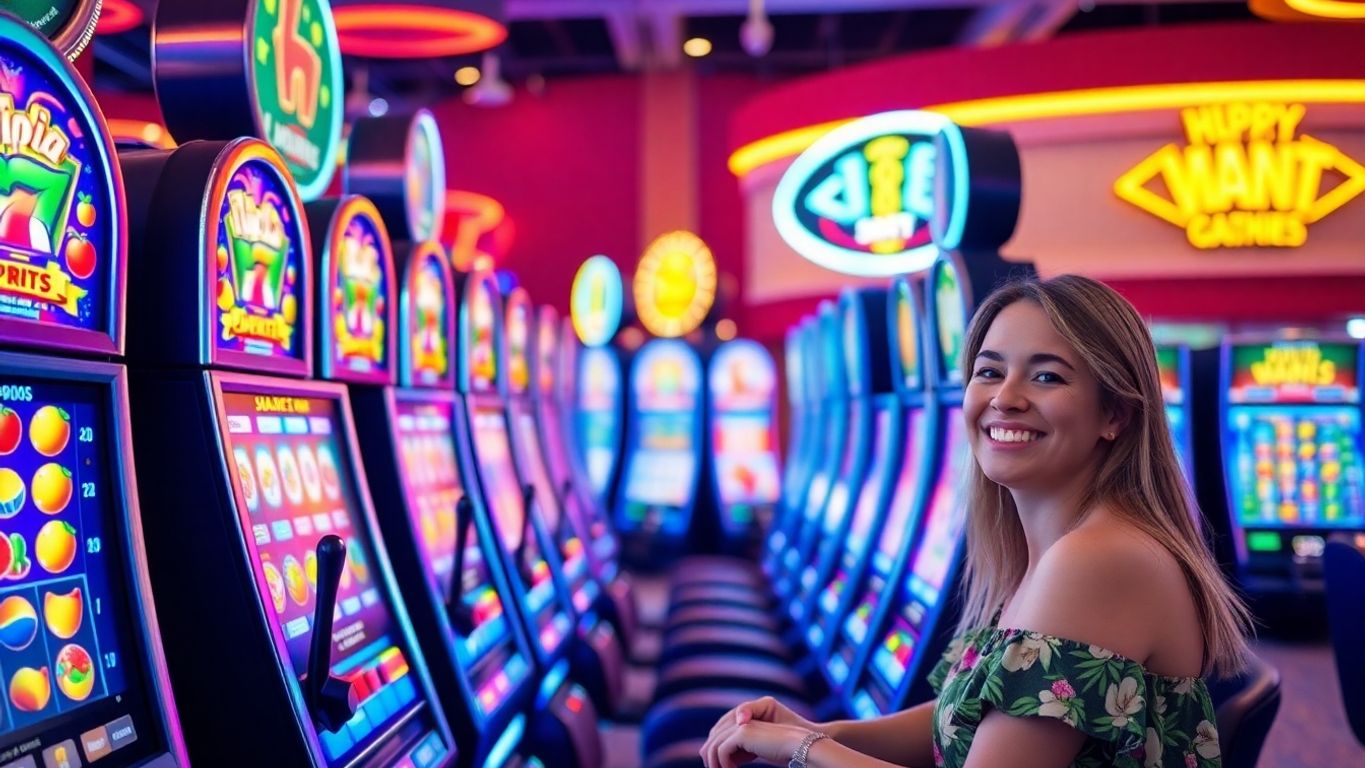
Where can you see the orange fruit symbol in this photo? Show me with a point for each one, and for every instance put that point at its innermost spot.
(50, 430)
(51, 488)
(63, 613)
(30, 689)
(55, 546)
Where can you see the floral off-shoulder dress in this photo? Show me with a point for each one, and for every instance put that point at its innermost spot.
(1131, 717)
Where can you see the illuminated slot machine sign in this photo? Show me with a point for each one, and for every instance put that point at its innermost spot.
(598, 415)
(1292, 446)
(356, 272)
(1173, 367)
(81, 670)
(531, 459)
(291, 464)
(481, 330)
(665, 380)
(743, 386)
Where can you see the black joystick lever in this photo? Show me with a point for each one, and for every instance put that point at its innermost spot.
(528, 498)
(461, 616)
(330, 699)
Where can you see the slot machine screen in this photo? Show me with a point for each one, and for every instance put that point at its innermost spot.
(289, 457)
(431, 479)
(665, 462)
(70, 658)
(599, 413)
(746, 461)
(502, 490)
(865, 513)
(1171, 362)
(898, 517)
(1294, 427)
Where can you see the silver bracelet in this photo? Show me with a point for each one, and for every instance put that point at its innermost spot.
(803, 751)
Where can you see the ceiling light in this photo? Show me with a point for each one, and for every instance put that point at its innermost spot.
(379, 106)
(697, 47)
(467, 76)
(1355, 327)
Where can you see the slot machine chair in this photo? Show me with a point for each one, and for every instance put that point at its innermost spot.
(1245, 707)
(1344, 566)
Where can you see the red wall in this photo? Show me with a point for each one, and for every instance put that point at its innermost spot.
(564, 164)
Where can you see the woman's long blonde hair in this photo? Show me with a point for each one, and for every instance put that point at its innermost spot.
(1140, 478)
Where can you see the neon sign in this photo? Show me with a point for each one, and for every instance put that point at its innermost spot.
(859, 200)
(296, 79)
(1247, 177)
(61, 215)
(675, 284)
(360, 270)
(1293, 371)
(258, 255)
(596, 300)
(424, 178)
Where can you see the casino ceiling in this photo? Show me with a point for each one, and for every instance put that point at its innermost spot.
(557, 38)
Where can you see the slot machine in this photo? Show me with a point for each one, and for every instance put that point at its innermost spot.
(598, 418)
(529, 557)
(741, 412)
(261, 533)
(798, 411)
(445, 553)
(662, 456)
(603, 549)
(1291, 459)
(80, 648)
(1173, 367)
(870, 413)
(808, 456)
(827, 451)
(601, 670)
(902, 451)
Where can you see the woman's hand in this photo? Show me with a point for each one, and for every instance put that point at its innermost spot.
(759, 729)
(753, 740)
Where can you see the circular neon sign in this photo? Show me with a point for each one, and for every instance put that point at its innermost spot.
(860, 200)
(675, 284)
(596, 300)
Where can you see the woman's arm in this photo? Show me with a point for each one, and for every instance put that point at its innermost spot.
(901, 738)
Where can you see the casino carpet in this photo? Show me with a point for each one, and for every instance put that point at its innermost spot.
(1310, 730)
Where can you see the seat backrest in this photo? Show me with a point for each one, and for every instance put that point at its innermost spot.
(1245, 707)
(1344, 570)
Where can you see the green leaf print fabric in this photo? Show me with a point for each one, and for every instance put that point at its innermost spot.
(1131, 718)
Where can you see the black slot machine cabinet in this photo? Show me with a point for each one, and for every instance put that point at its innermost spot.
(260, 528)
(742, 447)
(445, 556)
(871, 412)
(553, 342)
(528, 556)
(81, 659)
(597, 658)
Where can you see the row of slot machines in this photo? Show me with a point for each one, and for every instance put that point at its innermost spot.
(276, 489)
(684, 437)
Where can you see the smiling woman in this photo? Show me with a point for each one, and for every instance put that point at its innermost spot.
(1093, 605)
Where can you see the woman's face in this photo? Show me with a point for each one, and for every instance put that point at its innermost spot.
(1032, 405)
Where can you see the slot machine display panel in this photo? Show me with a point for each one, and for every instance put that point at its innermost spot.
(743, 385)
(80, 670)
(1292, 450)
(295, 480)
(662, 466)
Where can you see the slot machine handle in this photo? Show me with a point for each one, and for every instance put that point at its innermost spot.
(528, 498)
(461, 616)
(330, 699)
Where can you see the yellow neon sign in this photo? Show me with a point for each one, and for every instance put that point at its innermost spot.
(675, 284)
(1288, 366)
(1246, 178)
(1089, 101)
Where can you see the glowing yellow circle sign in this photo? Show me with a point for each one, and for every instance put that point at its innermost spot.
(675, 284)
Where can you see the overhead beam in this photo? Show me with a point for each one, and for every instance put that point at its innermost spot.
(1047, 18)
(626, 38)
